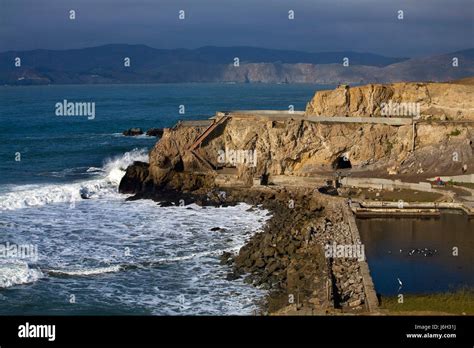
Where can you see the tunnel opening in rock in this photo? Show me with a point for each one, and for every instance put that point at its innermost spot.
(342, 162)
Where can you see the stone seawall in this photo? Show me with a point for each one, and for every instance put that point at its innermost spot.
(371, 300)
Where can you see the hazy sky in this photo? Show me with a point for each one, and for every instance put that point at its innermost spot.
(428, 27)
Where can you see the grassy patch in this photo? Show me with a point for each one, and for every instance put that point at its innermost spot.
(458, 302)
(465, 184)
(455, 133)
(393, 196)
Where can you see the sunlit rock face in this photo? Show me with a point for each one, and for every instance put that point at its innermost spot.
(437, 101)
(303, 148)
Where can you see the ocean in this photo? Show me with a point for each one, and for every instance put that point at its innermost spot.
(104, 255)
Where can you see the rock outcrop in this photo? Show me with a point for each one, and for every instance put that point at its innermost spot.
(155, 132)
(132, 132)
(135, 178)
(287, 257)
(441, 143)
(437, 101)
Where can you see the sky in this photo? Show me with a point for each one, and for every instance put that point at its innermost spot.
(429, 26)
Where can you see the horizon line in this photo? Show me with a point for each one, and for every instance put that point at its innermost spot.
(237, 46)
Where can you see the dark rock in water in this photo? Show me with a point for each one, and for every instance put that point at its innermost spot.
(249, 279)
(166, 204)
(232, 276)
(132, 132)
(155, 132)
(84, 192)
(226, 258)
(217, 229)
(135, 178)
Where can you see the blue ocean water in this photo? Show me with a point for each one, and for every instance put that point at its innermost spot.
(51, 144)
(104, 255)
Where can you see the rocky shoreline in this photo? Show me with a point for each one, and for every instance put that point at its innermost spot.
(278, 160)
(287, 258)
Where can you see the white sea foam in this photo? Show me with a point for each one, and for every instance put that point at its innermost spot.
(116, 268)
(140, 246)
(94, 169)
(85, 271)
(144, 135)
(36, 195)
(16, 273)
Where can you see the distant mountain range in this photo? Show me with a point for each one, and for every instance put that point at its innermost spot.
(105, 64)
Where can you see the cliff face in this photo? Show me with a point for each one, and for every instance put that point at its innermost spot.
(442, 101)
(305, 148)
(301, 147)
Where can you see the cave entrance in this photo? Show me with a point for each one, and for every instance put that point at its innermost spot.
(342, 162)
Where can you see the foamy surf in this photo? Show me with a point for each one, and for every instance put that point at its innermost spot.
(141, 136)
(85, 272)
(120, 253)
(143, 265)
(17, 273)
(37, 195)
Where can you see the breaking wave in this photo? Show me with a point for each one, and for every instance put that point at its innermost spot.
(109, 177)
(16, 273)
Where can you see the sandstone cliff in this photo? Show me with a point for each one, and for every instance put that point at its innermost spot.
(292, 146)
(444, 101)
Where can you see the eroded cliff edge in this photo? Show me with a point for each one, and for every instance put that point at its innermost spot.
(201, 157)
(440, 142)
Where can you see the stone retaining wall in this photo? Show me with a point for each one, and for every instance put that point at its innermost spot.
(371, 300)
(380, 184)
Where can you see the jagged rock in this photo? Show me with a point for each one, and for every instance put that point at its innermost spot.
(226, 257)
(155, 132)
(440, 100)
(355, 303)
(232, 276)
(135, 178)
(133, 132)
(272, 267)
(288, 252)
(260, 263)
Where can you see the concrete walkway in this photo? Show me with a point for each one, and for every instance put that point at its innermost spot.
(282, 115)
